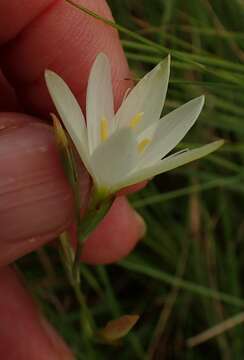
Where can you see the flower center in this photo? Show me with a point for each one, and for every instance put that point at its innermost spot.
(104, 129)
(133, 123)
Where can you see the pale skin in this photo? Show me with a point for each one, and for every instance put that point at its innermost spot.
(36, 201)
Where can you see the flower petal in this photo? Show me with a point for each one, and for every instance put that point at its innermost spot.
(115, 158)
(170, 163)
(99, 103)
(146, 97)
(171, 129)
(69, 111)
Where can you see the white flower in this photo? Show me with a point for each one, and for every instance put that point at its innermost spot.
(130, 146)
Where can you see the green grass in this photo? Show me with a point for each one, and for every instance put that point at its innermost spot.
(186, 275)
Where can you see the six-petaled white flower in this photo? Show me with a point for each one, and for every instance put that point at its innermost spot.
(130, 146)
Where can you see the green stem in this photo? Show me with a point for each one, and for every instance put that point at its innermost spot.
(85, 227)
(87, 323)
(67, 257)
(71, 261)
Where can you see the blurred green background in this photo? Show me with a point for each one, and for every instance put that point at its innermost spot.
(186, 275)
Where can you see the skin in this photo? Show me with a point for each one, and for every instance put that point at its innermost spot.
(36, 201)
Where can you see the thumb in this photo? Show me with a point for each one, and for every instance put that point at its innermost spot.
(36, 201)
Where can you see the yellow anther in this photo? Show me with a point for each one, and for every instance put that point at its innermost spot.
(142, 144)
(136, 119)
(104, 129)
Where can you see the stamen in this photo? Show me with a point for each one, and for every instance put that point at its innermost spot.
(142, 144)
(136, 119)
(104, 129)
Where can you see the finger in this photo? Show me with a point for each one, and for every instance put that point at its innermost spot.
(24, 334)
(35, 200)
(115, 236)
(61, 38)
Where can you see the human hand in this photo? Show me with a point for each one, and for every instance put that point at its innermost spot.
(36, 201)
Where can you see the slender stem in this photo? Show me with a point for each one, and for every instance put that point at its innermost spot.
(87, 323)
(76, 267)
(67, 256)
(71, 262)
(85, 227)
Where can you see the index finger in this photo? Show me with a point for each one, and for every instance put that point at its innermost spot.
(57, 36)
